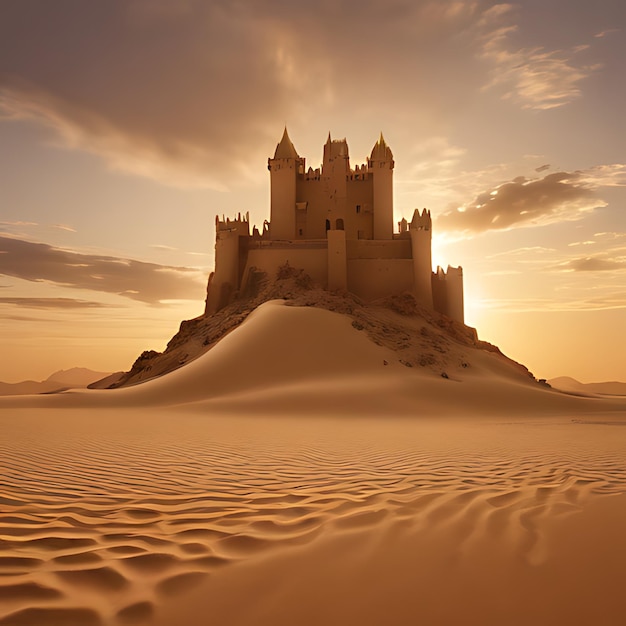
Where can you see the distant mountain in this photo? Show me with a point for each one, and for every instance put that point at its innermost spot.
(566, 383)
(76, 377)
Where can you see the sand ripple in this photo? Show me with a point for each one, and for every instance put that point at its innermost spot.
(97, 525)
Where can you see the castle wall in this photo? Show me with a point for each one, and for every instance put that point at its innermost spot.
(390, 249)
(323, 202)
(313, 260)
(337, 270)
(312, 193)
(371, 279)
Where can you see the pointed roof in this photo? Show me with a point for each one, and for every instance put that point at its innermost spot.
(381, 151)
(285, 149)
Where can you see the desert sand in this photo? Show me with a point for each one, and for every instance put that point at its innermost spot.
(298, 473)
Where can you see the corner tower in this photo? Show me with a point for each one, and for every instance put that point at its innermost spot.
(284, 169)
(421, 238)
(381, 166)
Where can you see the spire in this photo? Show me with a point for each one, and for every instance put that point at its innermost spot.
(329, 140)
(381, 151)
(285, 149)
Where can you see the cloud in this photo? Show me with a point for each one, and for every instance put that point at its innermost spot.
(592, 264)
(526, 202)
(542, 168)
(18, 223)
(193, 93)
(69, 229)
(536, 78)
(137, 280)
(550, 305)
(51, 303)
(606, 32)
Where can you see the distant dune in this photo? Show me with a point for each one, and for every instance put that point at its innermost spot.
(74, 378)
(565, 383)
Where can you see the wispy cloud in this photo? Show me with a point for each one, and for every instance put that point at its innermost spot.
(18, 223)
(51, 303)
(137, 280)
(65, 227)
(537, 78)
(615, 300)
(592, 264)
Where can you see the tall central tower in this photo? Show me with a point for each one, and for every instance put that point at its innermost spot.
(335, 172)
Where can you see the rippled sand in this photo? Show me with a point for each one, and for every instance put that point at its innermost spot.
(177, 517)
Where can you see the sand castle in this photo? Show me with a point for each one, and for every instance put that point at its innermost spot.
(336, 224)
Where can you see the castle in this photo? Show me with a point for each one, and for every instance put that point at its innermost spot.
(335, 223)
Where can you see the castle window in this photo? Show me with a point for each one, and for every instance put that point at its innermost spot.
(327, 224)
(358, 208)
(300, 232)
(339, 224)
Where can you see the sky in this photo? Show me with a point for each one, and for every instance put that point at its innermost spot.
(127, 126)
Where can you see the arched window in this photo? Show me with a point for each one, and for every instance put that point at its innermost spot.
(339, 224)
(327, 224)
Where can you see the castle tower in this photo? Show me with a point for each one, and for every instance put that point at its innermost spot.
(284, 169)
(421, 238)
(335, 171)
(381, 165)
(231, 247)
(448, 292)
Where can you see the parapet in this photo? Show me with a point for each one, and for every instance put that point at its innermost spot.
(239, 225)
(421, 221)
(450, 272)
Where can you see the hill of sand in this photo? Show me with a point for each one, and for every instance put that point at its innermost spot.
(421, 337)
(315, 467)
(284, 356)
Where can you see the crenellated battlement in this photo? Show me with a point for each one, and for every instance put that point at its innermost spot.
(449, 273)
(421, 221)
(239, 225)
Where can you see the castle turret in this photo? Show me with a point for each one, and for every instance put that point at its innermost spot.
(448, 292)
(421, 238)
(284, 169)
(231, 248)
(381, 165)
(335, 172)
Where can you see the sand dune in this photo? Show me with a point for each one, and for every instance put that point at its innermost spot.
(289, 476)
(163, 517)
(315, 358)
